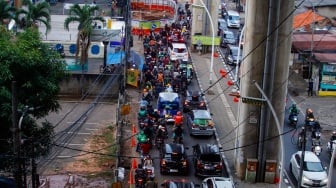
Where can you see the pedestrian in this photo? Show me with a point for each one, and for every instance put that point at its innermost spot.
(140, 33)
(310, 87)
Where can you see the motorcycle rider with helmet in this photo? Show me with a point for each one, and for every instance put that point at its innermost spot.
(140, 173)
(142, 114)
(293, 110)
(178, 118)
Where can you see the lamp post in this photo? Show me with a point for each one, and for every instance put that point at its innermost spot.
(238, 59)
(105, 43)
(212, 41)
(277, 123)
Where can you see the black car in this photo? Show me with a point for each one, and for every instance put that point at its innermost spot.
(173, 159)
(231, 55)
(193, 100)
(207, 160)
(178, 183)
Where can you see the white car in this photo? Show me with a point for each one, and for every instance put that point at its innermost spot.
(314, 174)
(220, 182)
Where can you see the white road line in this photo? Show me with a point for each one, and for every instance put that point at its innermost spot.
(91, 129)
(79, 133)
(64, 156)
(88, 123)
(75, 144)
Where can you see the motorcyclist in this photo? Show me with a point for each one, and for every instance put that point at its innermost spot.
(178, 133)
(333, 136)
(146, 95)
(331, 141)
(145, 147)
(309, 114)
(141, 138)
(293, 110)
(161, 132)
(142, 114)
(140, 173)
(301, 135)
(178, 118)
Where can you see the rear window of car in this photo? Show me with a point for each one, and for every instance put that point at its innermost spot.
(210, 157)
(180, 50)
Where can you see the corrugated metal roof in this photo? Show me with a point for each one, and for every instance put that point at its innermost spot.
(325, 57)
(306, 18)
(321, 42)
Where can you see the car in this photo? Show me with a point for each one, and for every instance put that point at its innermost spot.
(173, 159)
(207, 160)
(200, 123)
(222, 26)
(314, 174)
(178, 51)
(193, 100)
(179, 183)
(227, 38)
(223, 182)
(186, 67)
(231, 55)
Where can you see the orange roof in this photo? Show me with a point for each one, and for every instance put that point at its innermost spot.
(306, 18)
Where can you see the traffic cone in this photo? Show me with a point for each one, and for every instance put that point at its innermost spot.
(235, 99)
(134, 129)
(134, 164)
(131, 178)
(230, 83)
(133, 144)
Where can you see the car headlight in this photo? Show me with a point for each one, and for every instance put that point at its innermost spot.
(325, 181)
(305, 179)
(230, 58)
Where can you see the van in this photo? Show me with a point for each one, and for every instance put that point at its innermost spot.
(178, 51)
(233, 19)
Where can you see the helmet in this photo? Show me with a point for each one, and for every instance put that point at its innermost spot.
(294, 105)
(334, 133)
(179, 113)
(302, 128)
(142, 108)
(309, 110)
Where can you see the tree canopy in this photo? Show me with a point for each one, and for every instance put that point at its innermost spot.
(85, 16)
(37, 70)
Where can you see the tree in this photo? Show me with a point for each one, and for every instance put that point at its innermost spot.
(85, 17)
(37, 70)
(39, 12)
(7, 12)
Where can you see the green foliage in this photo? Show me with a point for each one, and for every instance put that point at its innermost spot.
(37, 70)
(6, 11)
(39, 12)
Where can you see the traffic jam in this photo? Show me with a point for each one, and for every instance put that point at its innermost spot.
(171, 110)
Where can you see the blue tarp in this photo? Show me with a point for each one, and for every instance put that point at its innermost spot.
(115, 58)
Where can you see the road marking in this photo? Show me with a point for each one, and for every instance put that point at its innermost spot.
(88, 123)
(64, 156)
(91, 129)
(80, 133)
(75, 144)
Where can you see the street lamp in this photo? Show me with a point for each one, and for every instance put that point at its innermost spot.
(277, 123)
(238, 59)
(213, 39)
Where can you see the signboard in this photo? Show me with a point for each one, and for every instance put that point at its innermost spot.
(132, 77)
(205, 40)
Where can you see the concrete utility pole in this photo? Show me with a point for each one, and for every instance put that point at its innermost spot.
(257, 49)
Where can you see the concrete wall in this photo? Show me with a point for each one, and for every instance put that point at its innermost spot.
(92, 85)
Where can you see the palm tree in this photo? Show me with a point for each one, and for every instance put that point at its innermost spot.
(6, 12)
(39, 12)
(85, 16)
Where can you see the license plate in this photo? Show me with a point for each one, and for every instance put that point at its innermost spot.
(173, 170)
(208, 167)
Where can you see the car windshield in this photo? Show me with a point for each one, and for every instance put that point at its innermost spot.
(210, 157)
(234, 17)
(179, 185)
(234, 51)
(229, 36)
(313, 167)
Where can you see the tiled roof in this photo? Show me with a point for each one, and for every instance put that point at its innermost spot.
(306, 18)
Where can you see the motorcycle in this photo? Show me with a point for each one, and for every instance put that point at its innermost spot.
(310, 122)
(293, 119)
(316, 148)
(140, 178)
(149, 168)
(159, 142)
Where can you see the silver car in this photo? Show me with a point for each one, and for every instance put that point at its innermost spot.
(200, 123)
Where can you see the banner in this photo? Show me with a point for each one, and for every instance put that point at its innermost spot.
(132, 77)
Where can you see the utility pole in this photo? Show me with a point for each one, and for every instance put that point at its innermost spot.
(303, 149)
(16, 138)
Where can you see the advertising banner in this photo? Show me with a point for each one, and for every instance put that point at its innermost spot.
(132, 77)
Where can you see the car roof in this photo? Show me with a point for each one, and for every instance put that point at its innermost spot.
(201, 114)
(180, 183)
(174, 148)
(309, 156)
(221, 182)
(169, 96)
(208, 148)
(232, 12)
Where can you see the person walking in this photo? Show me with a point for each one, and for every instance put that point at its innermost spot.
(310, 87)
